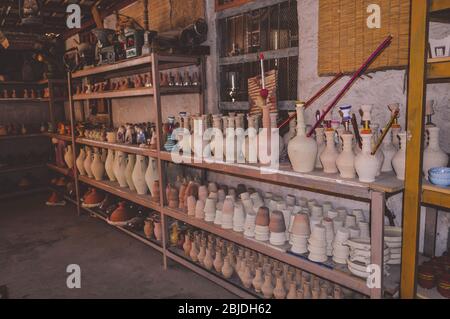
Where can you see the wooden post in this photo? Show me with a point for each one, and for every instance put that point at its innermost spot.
(430, 232)
(377, 207)
(51, 101)
(159, 132)
(414, 146)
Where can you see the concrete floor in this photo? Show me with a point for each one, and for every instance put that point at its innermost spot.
(38, 242)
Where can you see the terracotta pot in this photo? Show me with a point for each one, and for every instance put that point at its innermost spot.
(93, 199)
(277, 224)
(155, 192)
(148, 228)
(443, 285)
(121, 213)
(262, 217)
(80, 162)
(157, 230)
(109, 166)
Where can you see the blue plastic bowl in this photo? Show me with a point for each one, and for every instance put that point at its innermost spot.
(444, 182)
(440, 172)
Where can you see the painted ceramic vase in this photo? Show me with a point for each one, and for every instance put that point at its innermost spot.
(109, 166)
(129, 171)
(366, 165)
(329, 154)
(302, 150)
(80, 162)
(120, 165)
(138, 175)
(433, 156)
(345, 162)
(97, 167)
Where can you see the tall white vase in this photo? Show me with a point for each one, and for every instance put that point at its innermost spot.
(346, 159)
(120, 165)
(68, 156)
(129, 171)
(80, 162)
(97, 167)
(389, 151)
(151, 175)
(320, 139)
(433, 156)
(399, 160)
(329, 154)
(88, 162)
(302, 150)
(109, 165)
(366, 165)
(138, 175)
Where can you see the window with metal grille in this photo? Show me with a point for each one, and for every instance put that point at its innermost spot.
(270, 27)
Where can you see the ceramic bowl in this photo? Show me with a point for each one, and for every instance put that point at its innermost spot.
(439, 181)
(441, 172)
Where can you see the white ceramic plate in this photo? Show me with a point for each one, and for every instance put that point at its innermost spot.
(358, 273)
(359, 243)
(392, 234)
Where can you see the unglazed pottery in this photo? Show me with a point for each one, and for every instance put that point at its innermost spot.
(97, 167)
(267, 288)
(302, 150)
(109, 166)
(320, 139)
(433, 156)
(87, 163)
(151, 175)
(329, 154)
(68, 156)
(345, 162)
(389, 152)
(138, 175)
(366, 165)
(120, 164)
(129, 171)
(258, 279)
(80, 162)
(399, 159)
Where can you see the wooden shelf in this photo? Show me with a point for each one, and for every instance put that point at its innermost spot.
(119, 147)
(31, 83)
(19, 168)
(67, 138)
(19, 137)
(435, 195)
(317, 181)
(440, 11)
(61, 170)
(438, 69)
(135, 93)
(166, 61)
(125, 193)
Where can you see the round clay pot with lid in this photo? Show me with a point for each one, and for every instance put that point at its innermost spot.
(93, 199)
(121, 214)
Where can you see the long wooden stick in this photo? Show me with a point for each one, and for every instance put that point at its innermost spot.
(355, 76)
(356, 131)
(315, 97)
(385, 131)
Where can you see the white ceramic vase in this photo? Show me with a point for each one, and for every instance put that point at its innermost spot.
(138, 175)
(87, 163)
(109, 165)
(129, 170)
(346, 160)
(97, 167)
(151, 175)
(433, 156)
(329, 154)
(68, 157)
(80, 162)
(120, 165)
(366, 165)
(302, 150)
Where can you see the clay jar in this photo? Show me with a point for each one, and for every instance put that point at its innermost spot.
(173, 198)
(329, 154)
(80, 162)
(138, 175)
(277, 224)
(109, 166)
(148, 228)
(345, 162)
(262, 217)
(302, 150)
(366, 165)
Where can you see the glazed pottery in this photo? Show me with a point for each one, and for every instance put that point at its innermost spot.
(433, 156)
(345, 162)
(68, 156)
(399, 159)
(97, 167)
(138, 175)
(120, 165)
(109, 166)
(366, 165)
(302, 150)
(329, 154)
(389, 152)
(151, 175)
(129, 171)
(87, 163)
(80, 162)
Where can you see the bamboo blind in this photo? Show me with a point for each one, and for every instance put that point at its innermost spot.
(345, 41)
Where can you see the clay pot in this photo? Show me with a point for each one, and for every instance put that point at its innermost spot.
(173, 198)
(345, 162)
(262, 217)
(80, 162)
(148, 228)
(155, 192)
(366, 165)
(302, 150)
(187, 245)
(329, 154)
(93, 199)
(426, 276)
(109, 166)
(208, 260)
(97, 167)
(121, 213)
(277, 224)
(138, 175)
(443, 285)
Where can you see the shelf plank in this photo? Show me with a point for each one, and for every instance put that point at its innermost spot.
(317, 181)
(22, 136)
(440, 11)
(340, 276)
(435, 195)
(19, 168)
(125, 193)
(61, 170)
(119, 147)
(438, 69)
(135, 93)
(67, 138)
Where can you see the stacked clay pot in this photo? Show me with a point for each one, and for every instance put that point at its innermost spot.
(277, 227)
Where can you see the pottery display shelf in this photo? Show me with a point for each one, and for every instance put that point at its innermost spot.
(125, 193)
(63, 194)
(434, 195)
(130, 149)
(314, 181)
(438, 69)
(67, 138)
(61, 170)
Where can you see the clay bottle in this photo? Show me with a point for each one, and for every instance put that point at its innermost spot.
(80, 162)
(366, 165)
(97, 167)
(279, 292)
(227, 269)
(208, 260)
(194, 251)
(138, 175)
(329, 154)
(346, 160)
(258, 280)
(267, 288)
(109, 165)
(87, 163)
(218, 262)
(433, 156)
(302, 150)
